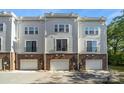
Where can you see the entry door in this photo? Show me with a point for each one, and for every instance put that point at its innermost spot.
(0, 64)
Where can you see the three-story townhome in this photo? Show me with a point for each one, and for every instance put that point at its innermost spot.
(55, 41)
(61, 41)
(30, 44)
(7, 40)
(92, 43)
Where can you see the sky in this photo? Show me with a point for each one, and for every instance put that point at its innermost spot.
(108, 13)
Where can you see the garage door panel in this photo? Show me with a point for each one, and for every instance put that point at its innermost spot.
(29, 64)
(0, 64)
(59, 64)
(93, 64)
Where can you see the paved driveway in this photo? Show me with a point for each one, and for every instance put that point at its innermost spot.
(49, 77)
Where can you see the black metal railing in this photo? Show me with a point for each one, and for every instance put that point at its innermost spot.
(92, 49)
(30, 49)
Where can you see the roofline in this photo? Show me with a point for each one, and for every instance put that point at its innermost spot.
(51, 15)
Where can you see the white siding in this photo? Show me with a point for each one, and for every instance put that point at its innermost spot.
(101, 37)
(6, 34)
(51, 35)
(23, 38)
(76, 37)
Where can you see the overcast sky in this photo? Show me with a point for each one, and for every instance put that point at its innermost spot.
(108, 13)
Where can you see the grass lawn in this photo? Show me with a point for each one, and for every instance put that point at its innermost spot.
(118, 68)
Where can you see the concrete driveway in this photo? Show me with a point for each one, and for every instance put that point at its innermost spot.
(50, 77)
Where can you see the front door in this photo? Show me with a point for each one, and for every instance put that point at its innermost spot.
(5, 63)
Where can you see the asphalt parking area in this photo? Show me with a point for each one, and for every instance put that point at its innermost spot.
(50, 77)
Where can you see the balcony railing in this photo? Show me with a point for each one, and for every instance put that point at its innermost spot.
(30, 49)
(92, 49)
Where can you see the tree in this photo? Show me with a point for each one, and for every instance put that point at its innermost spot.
(115, 39)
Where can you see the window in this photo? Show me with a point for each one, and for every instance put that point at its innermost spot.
(56, 28)
(31, 30)
(61, 28)
(91, 30)
(31, 46)
(0, 44)
(26, 30)
(96, 30)
(61, 45)
(1, 27)
(86, 30)
(67, 28)
(36, 30)
(91, 46)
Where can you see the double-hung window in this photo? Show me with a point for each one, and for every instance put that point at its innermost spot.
(31, 46)
(67, 28)
(26, 30)
(61, 28)
(31, 30)
(1, 27)
(56, 28)
(61, 45)
(36, 30)
(91, 30)
(92, 46)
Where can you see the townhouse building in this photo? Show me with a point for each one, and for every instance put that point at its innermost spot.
(55, 41)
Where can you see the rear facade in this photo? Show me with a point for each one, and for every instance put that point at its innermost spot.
(59, 41)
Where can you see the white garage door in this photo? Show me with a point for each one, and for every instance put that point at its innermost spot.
(59, 64)
(93, 64)
(0, 64)
(29, 64)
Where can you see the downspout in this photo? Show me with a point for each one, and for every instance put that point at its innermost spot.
(78, 44)
(45, 44)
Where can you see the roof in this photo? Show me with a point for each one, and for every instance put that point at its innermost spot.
(7, 14)
(92, 18)
(52, 15)
(61, 15)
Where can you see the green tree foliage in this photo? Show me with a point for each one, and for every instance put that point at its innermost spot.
(115, 39)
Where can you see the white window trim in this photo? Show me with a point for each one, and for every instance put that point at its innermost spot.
(64, 28)
(33, 28)
(4, 27)
(36, 45)
(37, 29)
(67, 44)
(94, 31)
(96, 45)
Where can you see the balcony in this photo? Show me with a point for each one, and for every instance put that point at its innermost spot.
(92, 49)
(30, 49)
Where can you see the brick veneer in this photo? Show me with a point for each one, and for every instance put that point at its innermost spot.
(39, 57)
(72, 60)
(5, 58)
(83, 58)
